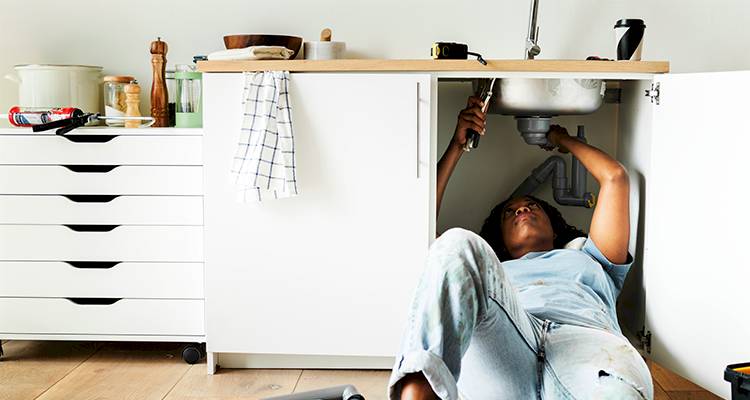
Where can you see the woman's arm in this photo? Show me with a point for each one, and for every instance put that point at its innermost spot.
(610, 225)
(470, 117)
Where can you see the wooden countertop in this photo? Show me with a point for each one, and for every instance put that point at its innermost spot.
(374, 65)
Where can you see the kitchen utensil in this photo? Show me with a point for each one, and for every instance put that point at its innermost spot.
(114, 97)
(629, 39)
(159, 105)
(293, 43)
(472, 138)
(188, 99)
(325, 49)
(48, 86)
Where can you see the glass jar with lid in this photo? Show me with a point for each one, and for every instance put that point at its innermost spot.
(114, 98)
(188, 107)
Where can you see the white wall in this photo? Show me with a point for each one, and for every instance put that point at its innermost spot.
(695, 35)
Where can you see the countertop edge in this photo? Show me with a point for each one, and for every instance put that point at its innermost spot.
(379, 65)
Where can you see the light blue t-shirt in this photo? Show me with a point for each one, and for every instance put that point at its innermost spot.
(569, 286)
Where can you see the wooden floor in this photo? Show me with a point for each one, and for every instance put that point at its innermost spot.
(144, 371)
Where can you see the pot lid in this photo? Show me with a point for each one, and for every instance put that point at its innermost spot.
(56, 66)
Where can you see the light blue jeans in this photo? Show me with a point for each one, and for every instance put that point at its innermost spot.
(468, 334)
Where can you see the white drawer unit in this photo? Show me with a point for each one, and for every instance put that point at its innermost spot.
(101, 179)
(101, 209)
(145, 280)
(101, 243)
(100, 149)
(101, 236)
(101, 316)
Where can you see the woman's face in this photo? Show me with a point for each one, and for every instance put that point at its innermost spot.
(526, 226)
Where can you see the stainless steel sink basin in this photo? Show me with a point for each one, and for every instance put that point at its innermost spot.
(546, 97)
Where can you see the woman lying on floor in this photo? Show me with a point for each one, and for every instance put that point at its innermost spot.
(510, 313)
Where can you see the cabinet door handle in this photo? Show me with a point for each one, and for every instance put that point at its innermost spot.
(418, 130)
(91, 168)
(91, 228)
(92, 264)
(86, 301)
(90, 198)
(89, 138)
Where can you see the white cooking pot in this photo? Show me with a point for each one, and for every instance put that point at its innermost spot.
(49, 86)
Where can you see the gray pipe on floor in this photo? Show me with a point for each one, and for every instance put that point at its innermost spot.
(345, 392)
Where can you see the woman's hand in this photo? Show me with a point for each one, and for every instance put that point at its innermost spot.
(555, 137)
(470, 117)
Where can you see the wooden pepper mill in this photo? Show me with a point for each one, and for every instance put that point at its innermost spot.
(132, 98)
(159, 105)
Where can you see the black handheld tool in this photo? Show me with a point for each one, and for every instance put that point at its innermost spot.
(66, 125)
(485, 93)
(78, 120)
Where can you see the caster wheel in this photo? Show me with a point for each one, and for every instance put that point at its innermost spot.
(191, 354)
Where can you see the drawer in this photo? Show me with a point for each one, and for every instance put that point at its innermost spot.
(119, 180)
(100, 149)
(101, 279)
(101, 243)
(121, 317)
(107, 210)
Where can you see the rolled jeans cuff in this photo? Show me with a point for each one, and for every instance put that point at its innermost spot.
(432, 367)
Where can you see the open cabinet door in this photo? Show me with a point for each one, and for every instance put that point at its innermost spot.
(697, 266)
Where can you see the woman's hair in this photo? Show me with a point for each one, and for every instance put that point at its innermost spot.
(492, 229)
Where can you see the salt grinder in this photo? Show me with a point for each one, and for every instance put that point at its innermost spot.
(132, 98)
(159, 105)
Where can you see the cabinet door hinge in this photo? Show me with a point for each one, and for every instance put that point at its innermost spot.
(653, 93)
(644, 337)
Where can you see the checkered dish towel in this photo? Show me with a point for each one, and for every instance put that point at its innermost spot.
(264, 164)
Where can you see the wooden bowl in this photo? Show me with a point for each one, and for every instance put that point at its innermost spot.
(293, 43)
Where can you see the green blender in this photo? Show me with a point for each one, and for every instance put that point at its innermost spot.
(188, 102)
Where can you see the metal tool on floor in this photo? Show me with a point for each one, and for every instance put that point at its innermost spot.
(344, 392)
(484, 93)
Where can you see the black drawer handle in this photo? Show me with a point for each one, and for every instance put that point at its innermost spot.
(91, 168)
(91, 228)
(90, 198)
(92, 264)
(89, 138)
(86, 301)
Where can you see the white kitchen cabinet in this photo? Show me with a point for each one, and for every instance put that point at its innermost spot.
(697, 272)
(285, 280)
(327, 272)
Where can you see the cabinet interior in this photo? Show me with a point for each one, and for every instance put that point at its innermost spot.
(487, 175)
